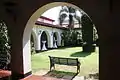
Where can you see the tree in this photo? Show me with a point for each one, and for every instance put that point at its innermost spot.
(87, 33)
(4, 46)
(70, 35)
(87, 27)
(70, 12)
(70, 38)
(62, 15)
(95, 36)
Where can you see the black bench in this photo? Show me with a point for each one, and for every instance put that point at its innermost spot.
(64, 61)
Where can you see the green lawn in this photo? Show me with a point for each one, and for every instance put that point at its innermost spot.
(89, 61)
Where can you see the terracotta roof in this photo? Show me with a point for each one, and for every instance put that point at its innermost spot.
(49, 25)
(47, 18)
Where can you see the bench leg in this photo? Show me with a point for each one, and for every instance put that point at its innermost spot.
(78, 69)
(53, 65)
(50, 68)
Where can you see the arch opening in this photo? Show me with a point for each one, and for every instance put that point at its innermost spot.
(56, 38)
(44, 37)
(29, 26)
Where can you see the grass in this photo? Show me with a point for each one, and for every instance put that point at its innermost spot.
(89, 61)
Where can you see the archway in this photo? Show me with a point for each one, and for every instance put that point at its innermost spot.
(28, 28)
(44, 37)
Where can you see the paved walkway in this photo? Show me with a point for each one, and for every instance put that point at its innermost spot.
(36, 77)
(43, 75)
(4, 74)
(65, 77)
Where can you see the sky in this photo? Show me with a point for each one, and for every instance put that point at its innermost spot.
(53, 13)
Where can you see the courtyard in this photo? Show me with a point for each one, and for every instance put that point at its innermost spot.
(89, 61)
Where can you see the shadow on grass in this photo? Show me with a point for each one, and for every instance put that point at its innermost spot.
(61, 74)
(65, 47)
(80, 54)
(61, 48)
(95, 75)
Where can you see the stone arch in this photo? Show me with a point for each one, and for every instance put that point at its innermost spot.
(45, 33)
(28, 28)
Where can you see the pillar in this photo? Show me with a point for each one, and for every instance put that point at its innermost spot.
(38, 44)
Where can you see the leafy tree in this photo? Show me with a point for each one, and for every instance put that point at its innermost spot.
(87, 33)
(70, 37)
(69, 12)
(95, 36)
(4, 46)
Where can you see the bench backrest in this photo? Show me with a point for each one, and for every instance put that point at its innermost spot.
(64, 61)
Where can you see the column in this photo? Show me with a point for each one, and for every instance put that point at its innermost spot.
(37, 44)
(55, 44)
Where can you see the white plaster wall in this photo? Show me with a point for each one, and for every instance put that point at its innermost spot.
(35, 36)
(49, 31)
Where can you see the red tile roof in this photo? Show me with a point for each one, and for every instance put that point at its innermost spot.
(47, 18)
(49, 25)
